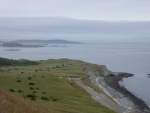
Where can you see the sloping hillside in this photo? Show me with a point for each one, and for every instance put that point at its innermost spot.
(10, 103)
(47, 84)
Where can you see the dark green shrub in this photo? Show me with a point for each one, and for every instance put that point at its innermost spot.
(20, 91)
(29, 78)
(34, 92)
(37, 88)
(57, 66)
(19, 81)
(54, 99)
(43, 93)
(31, 83)
(31, 96)
(12, 90)
(31, 88)
(45, 98)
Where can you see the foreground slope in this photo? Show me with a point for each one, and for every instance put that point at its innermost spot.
(47, 84)
(10, 103)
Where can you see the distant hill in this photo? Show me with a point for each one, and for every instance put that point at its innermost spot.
(12, 44)
(5, 62)
(46, 41)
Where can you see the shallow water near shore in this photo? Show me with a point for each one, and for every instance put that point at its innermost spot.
(139, 86)
(117, 56)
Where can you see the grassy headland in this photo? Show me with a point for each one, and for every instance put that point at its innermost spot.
(46, 85)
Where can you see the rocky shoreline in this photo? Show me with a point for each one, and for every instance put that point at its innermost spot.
(109, 82)
(113, 80)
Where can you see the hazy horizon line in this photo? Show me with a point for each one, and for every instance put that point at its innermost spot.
(82, 19)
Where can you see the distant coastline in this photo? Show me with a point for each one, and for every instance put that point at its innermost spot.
(45, 42)
(19, 45)
(36, 43)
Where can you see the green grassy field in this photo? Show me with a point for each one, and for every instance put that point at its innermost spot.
(47, 85)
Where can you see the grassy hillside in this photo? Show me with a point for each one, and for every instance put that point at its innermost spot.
(46, 84)
(10, 103)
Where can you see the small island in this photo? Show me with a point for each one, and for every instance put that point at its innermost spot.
(10, 44)
(37, 43)
(12, 50)
(46, 42)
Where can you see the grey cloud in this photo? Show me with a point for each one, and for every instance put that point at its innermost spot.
(81, 9)
(50, 28)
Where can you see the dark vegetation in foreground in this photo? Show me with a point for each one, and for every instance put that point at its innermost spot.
(45, 88)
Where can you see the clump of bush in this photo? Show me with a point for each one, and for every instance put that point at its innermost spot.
(54, 99)
(43, 93)
(29, 78)
(57, 66)
(37, 88)
(31, 83)
(19, 80)
(34, 92)
(19, 91)
(31, 96)
(31, 88)
(45, 98)
(36, 70)
(12, 90)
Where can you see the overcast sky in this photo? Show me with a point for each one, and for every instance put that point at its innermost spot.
(136, 10)
(112, 16)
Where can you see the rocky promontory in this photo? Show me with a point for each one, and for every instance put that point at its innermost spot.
(108, 81)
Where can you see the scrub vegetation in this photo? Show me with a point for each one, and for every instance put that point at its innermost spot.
(45, 88)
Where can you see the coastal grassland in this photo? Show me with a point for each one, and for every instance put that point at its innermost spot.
(11, 103)
(47, 85)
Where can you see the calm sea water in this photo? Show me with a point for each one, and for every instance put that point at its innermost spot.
(118, 57)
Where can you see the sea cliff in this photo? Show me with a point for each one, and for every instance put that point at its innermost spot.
(108, 81)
